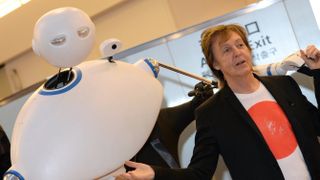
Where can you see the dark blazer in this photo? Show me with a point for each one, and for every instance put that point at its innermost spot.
(224, 127)
(170, 124)
(4, 152)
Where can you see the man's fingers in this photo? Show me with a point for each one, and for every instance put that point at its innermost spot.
(307, 55)
(132, 164)
(124, 176)
(303, 55)
(312, 52)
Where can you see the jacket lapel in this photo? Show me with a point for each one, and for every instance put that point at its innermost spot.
(237, 106)
(281, 98)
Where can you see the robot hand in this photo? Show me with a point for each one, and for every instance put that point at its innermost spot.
(201, 92)
(291, 63)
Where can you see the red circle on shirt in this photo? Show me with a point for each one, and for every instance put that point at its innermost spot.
(275, 128)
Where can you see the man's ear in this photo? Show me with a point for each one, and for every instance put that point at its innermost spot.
(216, 65)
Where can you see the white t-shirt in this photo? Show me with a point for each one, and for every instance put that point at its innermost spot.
(277, 132)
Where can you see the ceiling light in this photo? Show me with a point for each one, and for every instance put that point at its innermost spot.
(7, 6)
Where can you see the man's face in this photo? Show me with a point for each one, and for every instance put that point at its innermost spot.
(232, 57)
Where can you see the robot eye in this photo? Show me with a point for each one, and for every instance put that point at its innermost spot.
(58, 41)
(83, 32)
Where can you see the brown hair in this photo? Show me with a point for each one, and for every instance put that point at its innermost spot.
(210, 35)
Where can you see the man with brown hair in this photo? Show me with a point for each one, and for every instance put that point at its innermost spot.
(263, 127)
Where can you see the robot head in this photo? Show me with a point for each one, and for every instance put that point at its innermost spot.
(64, 36)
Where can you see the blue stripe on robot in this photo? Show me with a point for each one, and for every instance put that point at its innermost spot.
(152, 67)
(15, 174)
(269, 70)
(65, 89)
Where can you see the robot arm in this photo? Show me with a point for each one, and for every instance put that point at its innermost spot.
(291, 63)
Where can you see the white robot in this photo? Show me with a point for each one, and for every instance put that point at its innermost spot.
(83, 123)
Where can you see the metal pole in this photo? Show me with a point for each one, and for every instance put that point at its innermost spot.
(186, 73)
